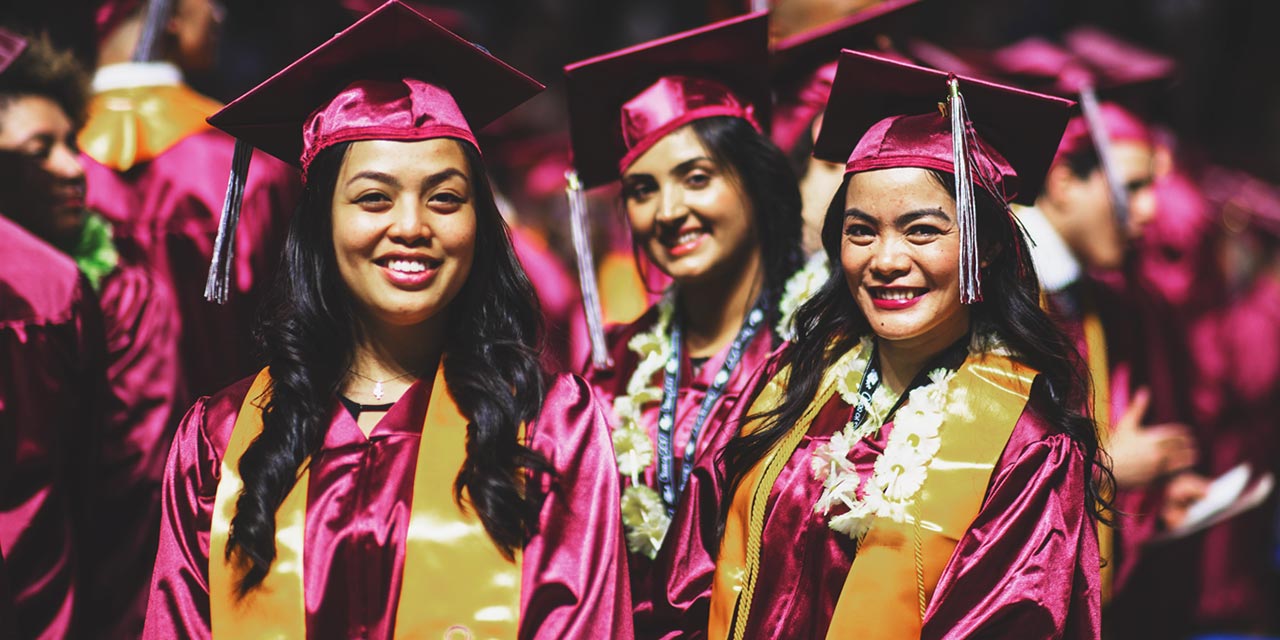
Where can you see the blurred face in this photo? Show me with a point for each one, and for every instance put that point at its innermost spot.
(404, 228)
(194, 27)
(47, 192)
(688, 213)
(1086, 217)
(900, 249)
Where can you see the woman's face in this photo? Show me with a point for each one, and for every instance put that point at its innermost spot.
(404, 227)
(688, 212)
(900, 249)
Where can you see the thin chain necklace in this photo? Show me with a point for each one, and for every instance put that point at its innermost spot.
(378, 391)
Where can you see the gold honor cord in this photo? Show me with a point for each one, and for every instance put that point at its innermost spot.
(442, 541)
(738, 567)
(1095, 340)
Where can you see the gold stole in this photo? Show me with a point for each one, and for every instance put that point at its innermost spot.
(897, 566)
(1095, 341)
(132, 125)
(444, 545)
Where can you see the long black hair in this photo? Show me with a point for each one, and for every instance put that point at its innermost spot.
(308, 336)
(830, 324)
(761, 170)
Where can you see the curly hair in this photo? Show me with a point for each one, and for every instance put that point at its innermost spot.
(46, 71)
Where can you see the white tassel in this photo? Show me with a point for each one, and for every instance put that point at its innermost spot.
(153, 26)
(966, 209)
(218, 285)
(580, 226)
(1106, 160)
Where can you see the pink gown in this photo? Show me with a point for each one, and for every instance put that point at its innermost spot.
(565, 322)
(52, 389)
(1026, 568)
(146, 401)
(165, 212)
(609, 383)
(358, 502)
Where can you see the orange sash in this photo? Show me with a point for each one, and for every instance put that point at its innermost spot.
(130, 126)
(444, 545)
(897, 565)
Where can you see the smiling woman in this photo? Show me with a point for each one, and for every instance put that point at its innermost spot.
(297, 502)
(913, 461)
(713, 204)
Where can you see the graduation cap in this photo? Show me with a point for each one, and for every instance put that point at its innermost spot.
(622, 103)
(803, 66)
(885, 114)
(11, 47)
(393, 75)
(111, 13)
(1105, 70)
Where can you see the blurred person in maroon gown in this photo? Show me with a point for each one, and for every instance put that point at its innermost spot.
(1211, 254)
(713, 204)
(52, 393)
(157, 173)
(43, 94)
(403, 436)
(913, 464)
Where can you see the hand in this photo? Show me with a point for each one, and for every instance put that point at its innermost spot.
(1140, 454)
(1182, 491)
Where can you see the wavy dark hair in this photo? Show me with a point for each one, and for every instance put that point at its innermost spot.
(308, 337)
(831, 323)
(763, 173)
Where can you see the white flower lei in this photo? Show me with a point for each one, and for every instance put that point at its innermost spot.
(899, 472)
(643, 515)
(801, 286)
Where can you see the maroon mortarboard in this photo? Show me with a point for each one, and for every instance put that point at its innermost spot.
(884, 114)
(803, 66)
(11, 46)
(934, 56)
(621, 103)
(1118, 63)
(393, 75)
(1039, 64)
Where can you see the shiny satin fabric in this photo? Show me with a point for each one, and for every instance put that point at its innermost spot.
(165, 215)
(1121, 125)
(1025, 567)
(924, 141)
(573, 581)
(671, 103)
(147, 396)
(610, 383)
(405, 109)
(52, 387)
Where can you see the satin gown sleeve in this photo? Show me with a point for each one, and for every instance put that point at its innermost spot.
(146, 403)
(575, 582)
(178, 606)
(1028, 565)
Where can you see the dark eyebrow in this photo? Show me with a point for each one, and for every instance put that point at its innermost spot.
(430, 181)
(687, 165)
(902, 220)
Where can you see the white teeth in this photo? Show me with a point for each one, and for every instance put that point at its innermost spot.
(407, 266)
(896, 294)
(688, 236)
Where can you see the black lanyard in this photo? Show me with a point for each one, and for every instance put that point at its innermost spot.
(950, 358)
(670, 394)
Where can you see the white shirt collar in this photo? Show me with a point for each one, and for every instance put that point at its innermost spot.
(126, 75)
(1055, 264)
